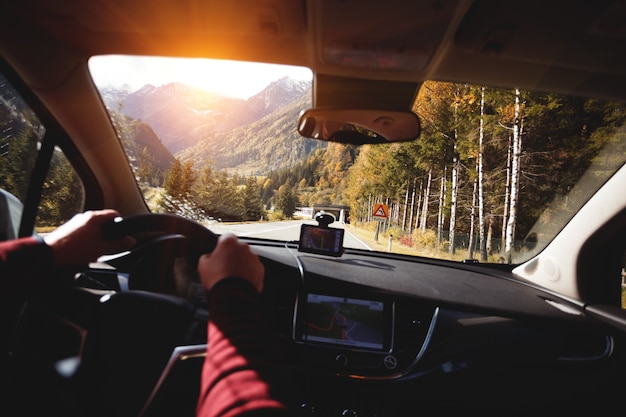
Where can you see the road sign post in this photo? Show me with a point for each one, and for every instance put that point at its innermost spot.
(380, 212)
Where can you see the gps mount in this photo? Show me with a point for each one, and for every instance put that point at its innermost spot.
(324, 219)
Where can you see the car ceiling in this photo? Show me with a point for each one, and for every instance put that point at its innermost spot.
(565, 46)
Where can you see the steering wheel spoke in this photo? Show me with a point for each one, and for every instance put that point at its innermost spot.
(162, 241)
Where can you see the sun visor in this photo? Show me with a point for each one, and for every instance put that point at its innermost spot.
(352, 93)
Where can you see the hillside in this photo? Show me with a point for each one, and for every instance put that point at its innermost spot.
(175, 110)
(267, 144)
(202, 126)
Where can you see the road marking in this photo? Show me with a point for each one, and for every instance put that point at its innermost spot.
(268, 230)
(358, 240)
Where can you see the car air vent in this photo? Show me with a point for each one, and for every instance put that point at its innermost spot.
(280, 301)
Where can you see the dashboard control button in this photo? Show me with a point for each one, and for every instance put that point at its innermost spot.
(307, 409)
(341, 360)
(390, 362)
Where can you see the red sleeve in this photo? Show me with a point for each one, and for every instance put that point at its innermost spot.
(22, 266)
(243, 373)
(21, 263)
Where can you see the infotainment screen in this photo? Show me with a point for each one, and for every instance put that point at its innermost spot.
(350, 322)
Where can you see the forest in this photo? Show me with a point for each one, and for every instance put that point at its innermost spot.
(488, 163)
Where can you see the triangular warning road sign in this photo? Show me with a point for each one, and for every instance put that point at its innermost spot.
(381, 210)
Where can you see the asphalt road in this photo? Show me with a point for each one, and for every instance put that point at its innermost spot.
(288, 230)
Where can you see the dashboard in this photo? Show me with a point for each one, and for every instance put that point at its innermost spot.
(374, 334)
(365, 334)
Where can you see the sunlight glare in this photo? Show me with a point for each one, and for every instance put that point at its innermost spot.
(230, 78)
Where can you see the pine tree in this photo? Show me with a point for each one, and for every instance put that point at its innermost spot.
(253, 206)
(287, 201)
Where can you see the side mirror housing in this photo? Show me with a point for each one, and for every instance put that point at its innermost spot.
(10, 215)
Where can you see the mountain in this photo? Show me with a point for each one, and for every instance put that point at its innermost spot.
(279, 93)
(267, 144)
(145, 140)
(174, 110)
(204, 126)
(181, 115)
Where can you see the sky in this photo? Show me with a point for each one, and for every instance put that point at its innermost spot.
(230, 78)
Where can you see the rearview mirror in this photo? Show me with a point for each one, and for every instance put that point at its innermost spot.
(358, 127)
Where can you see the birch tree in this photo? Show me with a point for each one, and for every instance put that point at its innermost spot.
(516, 148)
(480, 167)
(472, 220)
(426, 199)
(441, 213)
(507, 194)
(454, 190)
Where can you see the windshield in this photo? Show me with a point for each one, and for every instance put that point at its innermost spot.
(493, 178)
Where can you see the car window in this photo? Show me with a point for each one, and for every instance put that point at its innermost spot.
(22, 133)
(62, 195)
(493, 178)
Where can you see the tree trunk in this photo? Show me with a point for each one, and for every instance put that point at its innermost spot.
(481, 196)
(488, 247)
(412, 211)
(426, 199)
(507, 193)
(470, 240)
(406, 206)
(419, 205)
(454, 190)
(442, 202)
(453, 199)
(515, 176)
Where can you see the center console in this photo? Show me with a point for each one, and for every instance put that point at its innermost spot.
(360, 337)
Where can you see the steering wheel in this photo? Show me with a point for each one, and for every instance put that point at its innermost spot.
(126, 338)
(163, 242)
(132, 333)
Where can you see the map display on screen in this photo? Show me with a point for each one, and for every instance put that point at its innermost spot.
(344, 321)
